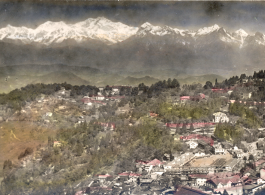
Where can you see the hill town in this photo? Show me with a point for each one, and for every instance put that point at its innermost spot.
(165, 138)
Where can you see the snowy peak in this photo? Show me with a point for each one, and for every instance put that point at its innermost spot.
(240, 32)
(56, 32)
(207, 30)
(146, 25)
(109, 32)
(148, 28)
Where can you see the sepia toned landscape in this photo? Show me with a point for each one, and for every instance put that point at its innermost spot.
(132, 98)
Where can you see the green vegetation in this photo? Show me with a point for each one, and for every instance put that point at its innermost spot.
(193, 110)
(229, 132)
(248, 117)
(18, 97)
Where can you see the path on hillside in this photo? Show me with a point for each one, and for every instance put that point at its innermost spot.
(11, 133)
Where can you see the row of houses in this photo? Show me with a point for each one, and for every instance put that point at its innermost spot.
(188, 125)
(192, 98)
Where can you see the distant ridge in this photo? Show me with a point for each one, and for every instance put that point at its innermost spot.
(147, 80)
(61, 77)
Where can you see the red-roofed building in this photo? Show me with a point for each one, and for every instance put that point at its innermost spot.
(124, 176)
(97, 97)
(111, 126)
(195, 125)
(219, 90)
(197, 97)
(183, 190)
(134, 175)
(231, 184)
(155, 162)
(152, 114)
(87, 100)
(79, 193)
(184, 98)
(141, 163)
(207, 140)
(116, 97)
(103, 178)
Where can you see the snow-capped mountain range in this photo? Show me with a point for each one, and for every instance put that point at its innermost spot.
(104, 30)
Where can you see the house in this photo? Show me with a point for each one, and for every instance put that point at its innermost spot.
(200, 179)
(198, 137)
(199, 153)
(251, 189)
(57, 144)
(158, 170)
(110, 126)
(226, 145)
(246, 95)
(115, 89)
(232, 185)
(197, 97)
(101, 89)
(252, 180)
(249, 172)
(262, 174)
(260, 164)
(124, 176)
(49, 114)
(184, 98)
(103, 178)
(218, 149)
(182, 190)
(172, 131)
(229, 92)
(252, 147)
(89, 103)
(152, 164)
(152, 114)
(220, 117)
(231, 164)
(224, 108)
(202, 144)
(192, 144)
(238, 154)
(98, 97)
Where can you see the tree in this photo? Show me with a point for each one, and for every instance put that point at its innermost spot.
(135, 91)
(175, 83)
(27, 152)
(79, 149)
(225, 192)
(7, 164)
(208, 85)
(178, 131)
(191, 127)
(243, 76)
(169, 83)
(184, 128)
(251, 157)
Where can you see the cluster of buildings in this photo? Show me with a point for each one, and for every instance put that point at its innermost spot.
(198, 97)
(99, 99)
(178, 177)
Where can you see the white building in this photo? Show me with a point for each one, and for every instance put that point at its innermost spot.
(192, 144)
(246, 95)
(48, 114)
(100, 97)
(218, 149)
(220, 117)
